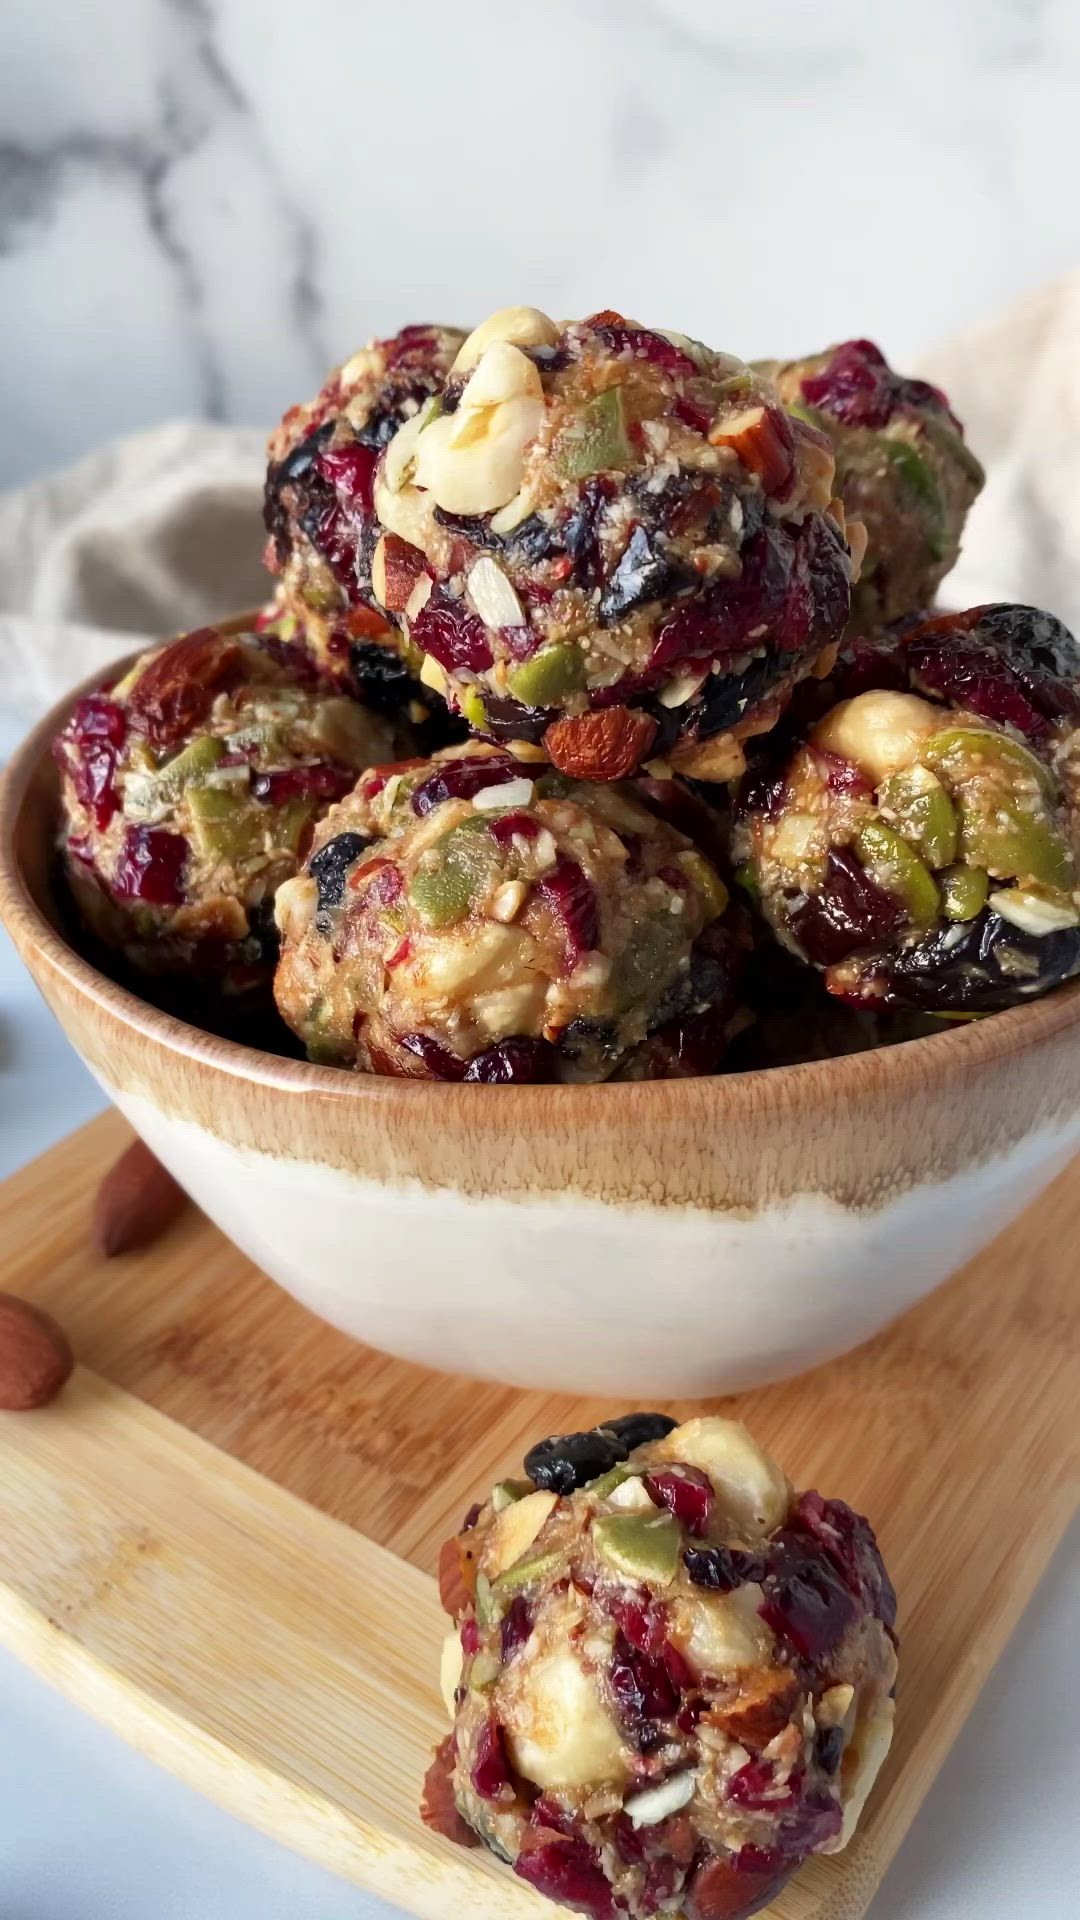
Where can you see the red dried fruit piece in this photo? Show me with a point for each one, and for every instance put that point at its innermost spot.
(516, 1628)
(643, 343)
(438, 1061)
(684, 1491)
(176, 690)
(379, 880)
(763, 441)
(319, 781)
(851, 1545)
(151, 867)
(470, 1637)
(572, 899)
(755, 1787)
(490, 1773)
(506, 826)
(847, 912)
(568, 1871)
(351, 472)
(460, 780)
(437, 1806)
(608, 744)
(518, 1061)
(806, 1602)
(642, 1686)
(452, 635)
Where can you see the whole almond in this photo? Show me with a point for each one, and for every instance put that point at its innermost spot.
(606, 745)
(35, 1358)
(135, 1202)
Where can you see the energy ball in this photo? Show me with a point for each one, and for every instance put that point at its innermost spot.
(920, 844)
(189, 791)
(670, 1678)
(902, 468)
(318, 503)
(471, 918)
(611, 542)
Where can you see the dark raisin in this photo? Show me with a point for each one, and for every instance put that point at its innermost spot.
(645, 572)
(473, 528)
(328, 869)
(507, 719)
(567, 1460)
(380, 676)
(588, 1049)
(828, 1748)
(978, 966)
(518, 1061)
(637, 1429)
(722, 1569)
(848, 911)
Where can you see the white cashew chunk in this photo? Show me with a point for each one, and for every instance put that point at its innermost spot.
(880, 732)
(751, 1491)
(656, 1803)
(557, 1730)
(472, 461)
(450, 1669)
(520, 326)
(516, 1527)
(721, 1633)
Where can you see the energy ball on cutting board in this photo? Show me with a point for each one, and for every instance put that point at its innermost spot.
(612, 542)
(902, 468)
(318, 510)
(920, 845)
(189, 791)
(670, 1678)
(475, 917)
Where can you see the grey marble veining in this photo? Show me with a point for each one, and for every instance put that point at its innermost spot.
(204, 203)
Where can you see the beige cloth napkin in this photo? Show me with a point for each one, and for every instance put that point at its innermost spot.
(162, 531)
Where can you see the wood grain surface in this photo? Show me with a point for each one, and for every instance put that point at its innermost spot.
(185, 1577)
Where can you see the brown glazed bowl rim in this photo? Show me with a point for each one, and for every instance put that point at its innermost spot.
(790, 1091)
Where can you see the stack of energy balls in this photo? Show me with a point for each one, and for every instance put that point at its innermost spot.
(598, 726)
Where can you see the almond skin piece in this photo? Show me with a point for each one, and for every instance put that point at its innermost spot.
(606, 745)
(135, 1202)
(762, 1708)
(35, 1358)
(395, 571)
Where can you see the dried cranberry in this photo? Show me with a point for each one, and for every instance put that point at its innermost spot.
(97, 731)
(814, 1820)
(151, 867)
(644, 344)
(452, 635)
(549, 1812)
(490, 1773)
(722, 1569)
(516, 1628)
(755, 1787)
(850, 910)
(851, 1545)
(351, 472)
(518, 1061)
(506, 827)
(684, 1491)
(438, 1060)
(805, 1601)
(642, 1687)
(843, 776)
(1013, 664)
(470, 1637)
(319, 781)
(568, 1871)
(380, 881)
(631, 1843)
(472, 1517)
(572, 899)
(460, 780)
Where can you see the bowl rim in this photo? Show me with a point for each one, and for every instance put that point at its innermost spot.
(810, 1085)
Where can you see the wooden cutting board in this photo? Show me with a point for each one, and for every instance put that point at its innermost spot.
(220, 1539)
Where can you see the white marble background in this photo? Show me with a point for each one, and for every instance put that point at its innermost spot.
(203, 203)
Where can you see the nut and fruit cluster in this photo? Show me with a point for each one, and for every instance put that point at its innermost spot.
(670, 1678)
(599, 725)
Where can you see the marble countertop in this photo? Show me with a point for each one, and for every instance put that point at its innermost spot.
(204, 206)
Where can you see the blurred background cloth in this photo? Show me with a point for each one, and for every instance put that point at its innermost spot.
(162, 531)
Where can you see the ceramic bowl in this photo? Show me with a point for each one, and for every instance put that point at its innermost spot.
(669, 1239)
